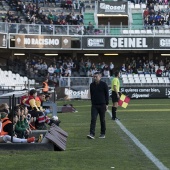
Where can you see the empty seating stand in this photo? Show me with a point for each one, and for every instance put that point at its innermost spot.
(14, 81)
(144, 80)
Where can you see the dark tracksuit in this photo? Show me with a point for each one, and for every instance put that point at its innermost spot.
(99, 99)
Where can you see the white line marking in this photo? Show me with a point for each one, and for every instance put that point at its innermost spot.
(155, 160)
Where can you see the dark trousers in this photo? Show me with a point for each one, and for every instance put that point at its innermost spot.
(95, 110)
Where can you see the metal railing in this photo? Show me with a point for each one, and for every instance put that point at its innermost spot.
(82, 30)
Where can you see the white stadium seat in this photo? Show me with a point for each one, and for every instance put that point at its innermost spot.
(137, 6)
(160, 80)
(130, 75)
(141, 75)
(155, 32)
(143, 6)
(153, 75)
(131, 80)
(124, 75)
(131, 32)
(148, 80)
(136, 75)
(143, 31)
(147, 75)
(149, 32)
(155, 80)
(143, 80)
(161, 32)
(125, 31)
(125, 81)
(166, 80)
(132, 5)
(137, 80)
(137, 31)
(167, 31)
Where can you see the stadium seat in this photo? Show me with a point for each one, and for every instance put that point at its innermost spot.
(132, 6)
(148, 80)
(156, 68)
(153, 75)
(161, 32)
(136, 76)
(155, 32)
(124, 75)
(125, 81)
(25, 78)
(160, 80)
(162, 67)
(131, 32)
(143, 80)
(143, 6)
(130, 75)
(155, 80)
(125, 31)
(137, 6)
(137, 31)
(137, 80)
(149, 32)
(166, 80)
(131, 80)
(147, 75)
(167, 31)
(143, 31)
(141, 75)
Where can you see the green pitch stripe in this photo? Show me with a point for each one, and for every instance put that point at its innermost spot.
(130, 105)
(146, 110)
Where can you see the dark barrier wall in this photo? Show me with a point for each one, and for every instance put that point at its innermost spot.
(132, 92)
(146, 92)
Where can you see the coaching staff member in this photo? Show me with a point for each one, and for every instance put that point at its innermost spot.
(100, 99)
(115, 86)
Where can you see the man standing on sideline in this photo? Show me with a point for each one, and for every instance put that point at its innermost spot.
(100, 99)
(115, 86)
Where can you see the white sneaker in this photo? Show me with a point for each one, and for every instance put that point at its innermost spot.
(90, 136)
(102, 136)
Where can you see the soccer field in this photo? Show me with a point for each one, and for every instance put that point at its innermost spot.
(147, 121)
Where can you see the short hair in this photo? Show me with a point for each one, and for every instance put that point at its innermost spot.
(116, 73)
(97, 72)
(33, 91)
(3, 115)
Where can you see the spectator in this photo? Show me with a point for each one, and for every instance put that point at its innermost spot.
(111, 67)
(146, 69)
(159, 72)
(51, 70)
(146, 13)
(90, 28)
(129, 70)
(123, 68)
(161, 63)
(82, 6)
(69, 4)
(63, 4)
(165, 72)
(140, 70)
(152, 69)
(80, 18)
(106, 72)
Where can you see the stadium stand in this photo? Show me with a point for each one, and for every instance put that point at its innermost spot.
(32, 17)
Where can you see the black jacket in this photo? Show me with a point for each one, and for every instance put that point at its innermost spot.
(99, 93)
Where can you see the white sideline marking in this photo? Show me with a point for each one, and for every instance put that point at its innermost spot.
(155, 160)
